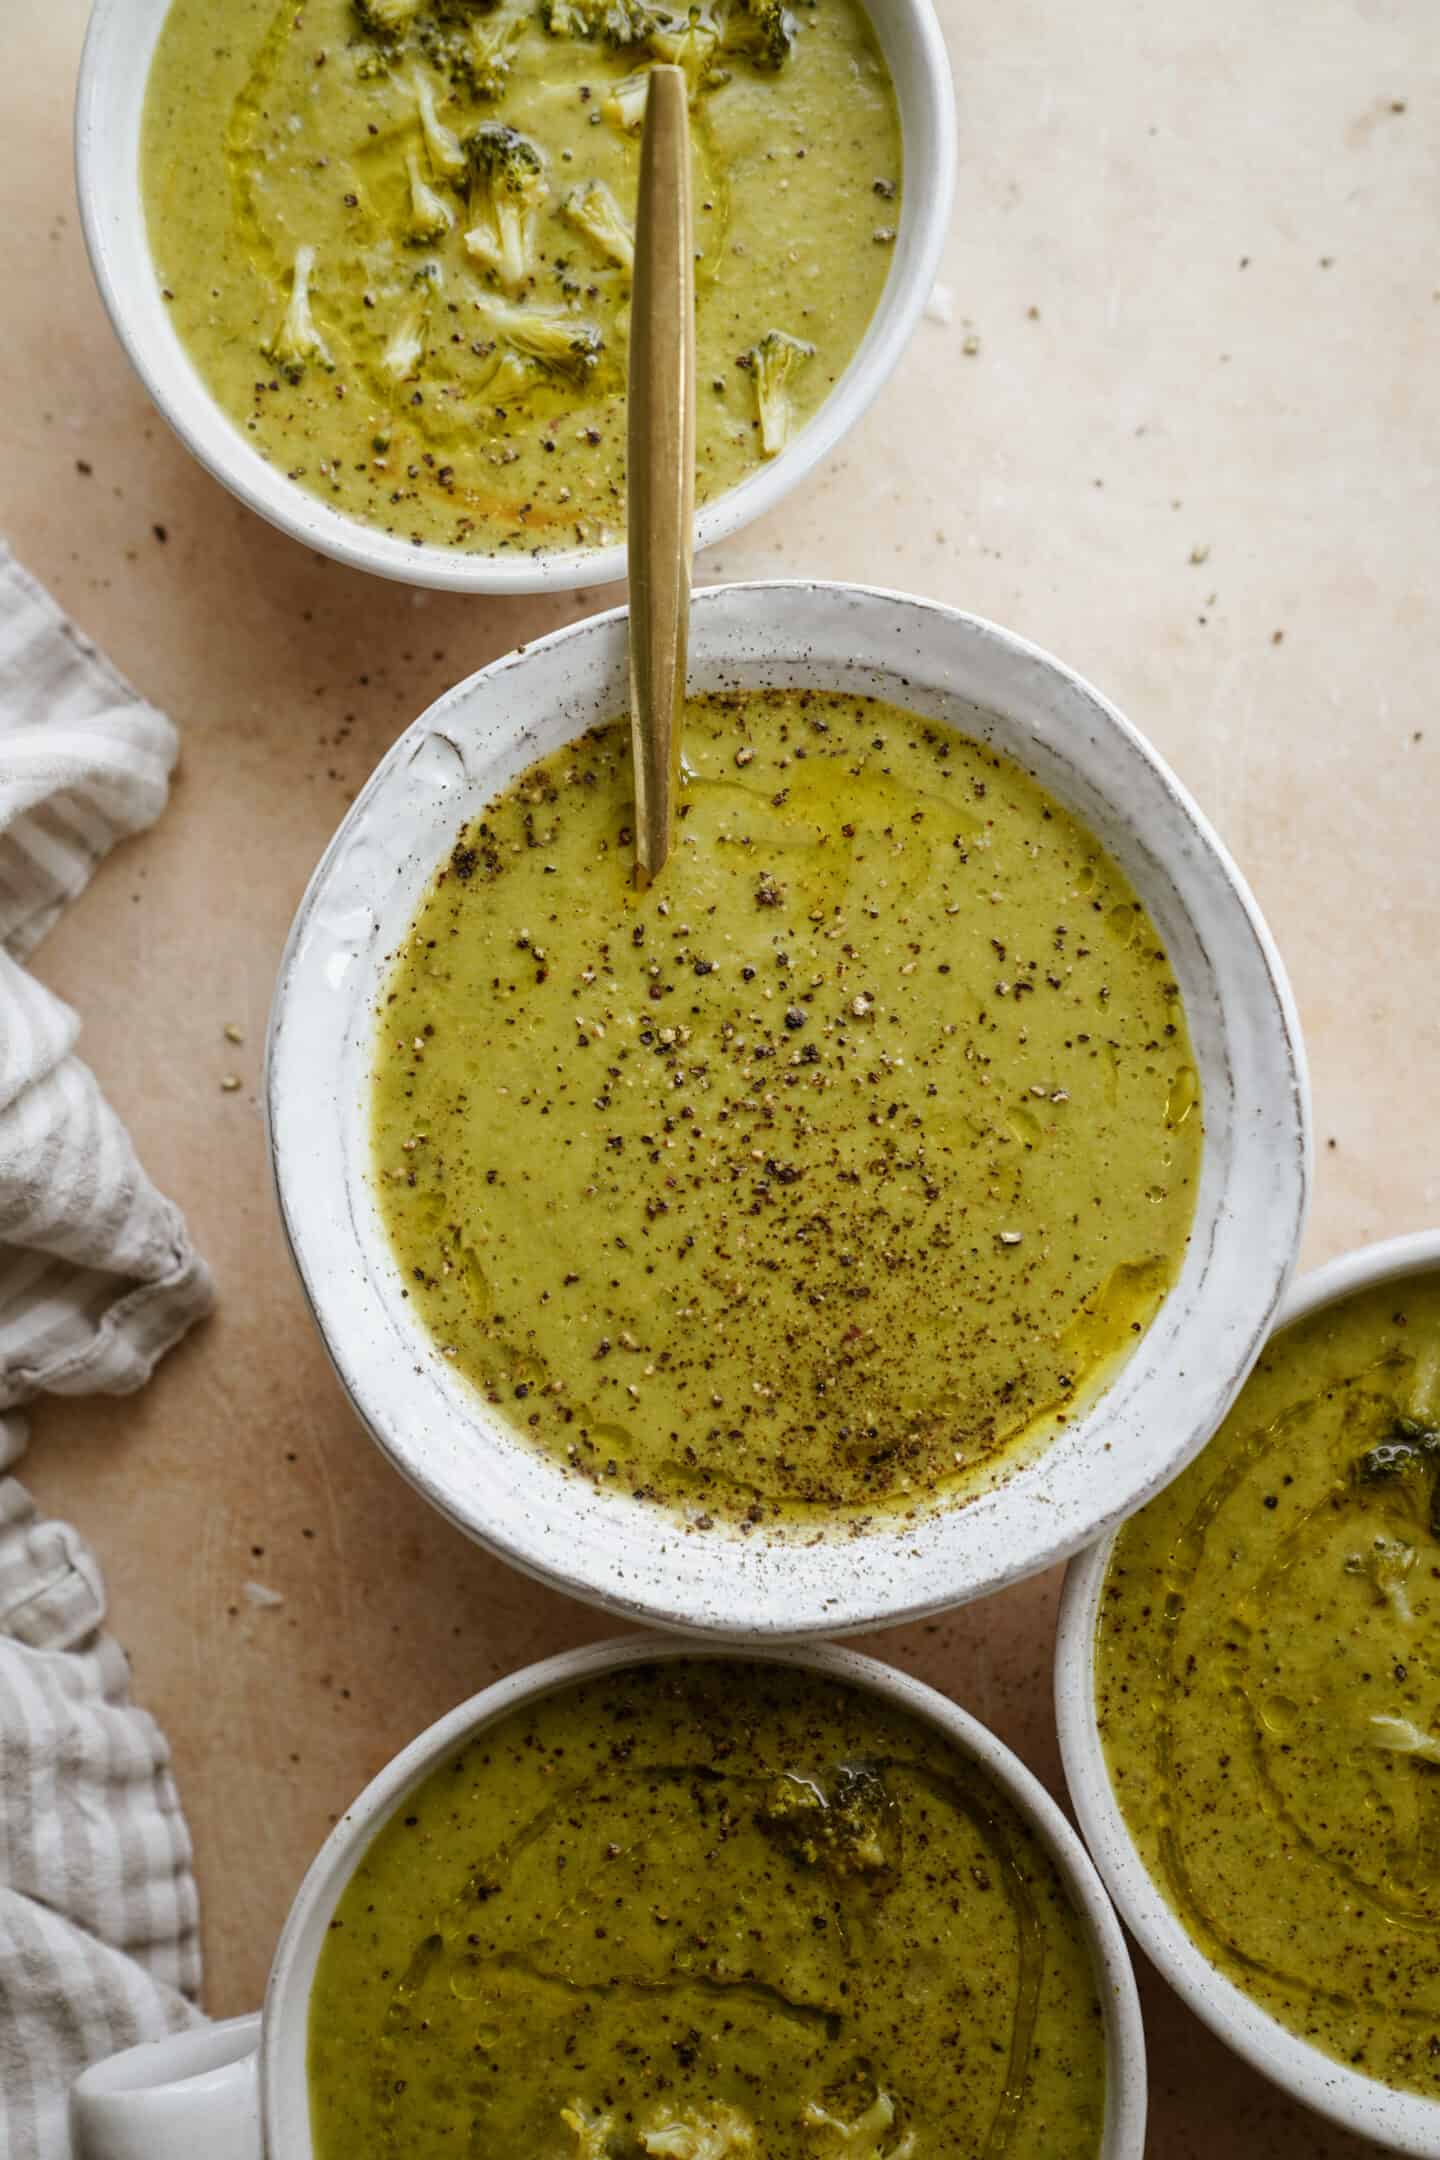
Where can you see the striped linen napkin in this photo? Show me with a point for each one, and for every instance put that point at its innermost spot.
(99, 1943)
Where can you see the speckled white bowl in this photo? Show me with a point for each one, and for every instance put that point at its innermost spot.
(1398, 2122)
(627, 1555)
(113, 75)
(207, 2092)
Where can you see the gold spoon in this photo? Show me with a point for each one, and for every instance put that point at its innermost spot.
(661, 464)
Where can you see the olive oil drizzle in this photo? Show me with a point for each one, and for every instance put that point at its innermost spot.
(1350, 1497)
(442, 1951)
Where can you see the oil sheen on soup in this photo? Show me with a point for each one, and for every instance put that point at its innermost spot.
(395, 237)
(838, 1171)
(1269, 1694)
(716, 1911)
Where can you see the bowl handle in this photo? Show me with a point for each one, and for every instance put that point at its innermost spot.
(171, 2099)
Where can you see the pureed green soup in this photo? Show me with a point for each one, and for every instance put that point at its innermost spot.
(1268, 1690)
(395, 239)
(840, 1170)
(707, 1909)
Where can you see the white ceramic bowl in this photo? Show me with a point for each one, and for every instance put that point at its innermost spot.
(1399, 2122)
(200, 2093)
(113, 75)
(628, 1555)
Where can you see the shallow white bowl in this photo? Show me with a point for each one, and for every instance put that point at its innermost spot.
(1400, 2122)
(113, 75)
(199, 2094)
(625, 1554)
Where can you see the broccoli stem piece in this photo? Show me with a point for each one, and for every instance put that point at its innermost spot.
(507, 186)
(1385, 1567)
(296, 341)
(624, 102)
(386, 19)
(1397, 1736)
(861, 2139)
(445, 154)
(512, 379)
(725, 2135)
(689, 43)
(430, 214)
(590, 2130)
(774, 362)
(406, 347)
(593, 210)
(565, 344)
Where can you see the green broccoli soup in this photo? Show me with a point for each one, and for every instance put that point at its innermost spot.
(840, 1169)
(1269, 1693)
(395, 238)
(706, 1910)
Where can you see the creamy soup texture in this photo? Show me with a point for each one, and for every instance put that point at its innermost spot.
(837, 1171)
(396, 239)
(1269, 1687)
(717, 1911)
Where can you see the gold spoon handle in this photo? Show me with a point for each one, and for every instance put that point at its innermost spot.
(661, 464)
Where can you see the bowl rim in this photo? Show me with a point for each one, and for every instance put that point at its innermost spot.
(1397, 2121)
(292, 1971)
(184, 401)
(661, 1587)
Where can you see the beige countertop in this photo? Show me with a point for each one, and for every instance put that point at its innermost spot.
(1197, 453)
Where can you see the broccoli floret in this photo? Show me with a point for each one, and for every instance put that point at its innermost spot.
(1386, 1566)
(443, 147)
(296, 341)
(773, 362)
(507, 187)
(1408, 1463)
(477, 56)
(688, 42)
(624, 102)
(618, 23)
(430, 214)
(852, 1830)
(590, 2130)
(1397, 1736)
(406, 347)
(593, 210)
(387, 20)
(565, 344)
(762, 31)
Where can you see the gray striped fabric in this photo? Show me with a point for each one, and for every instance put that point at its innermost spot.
(98, 1916)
